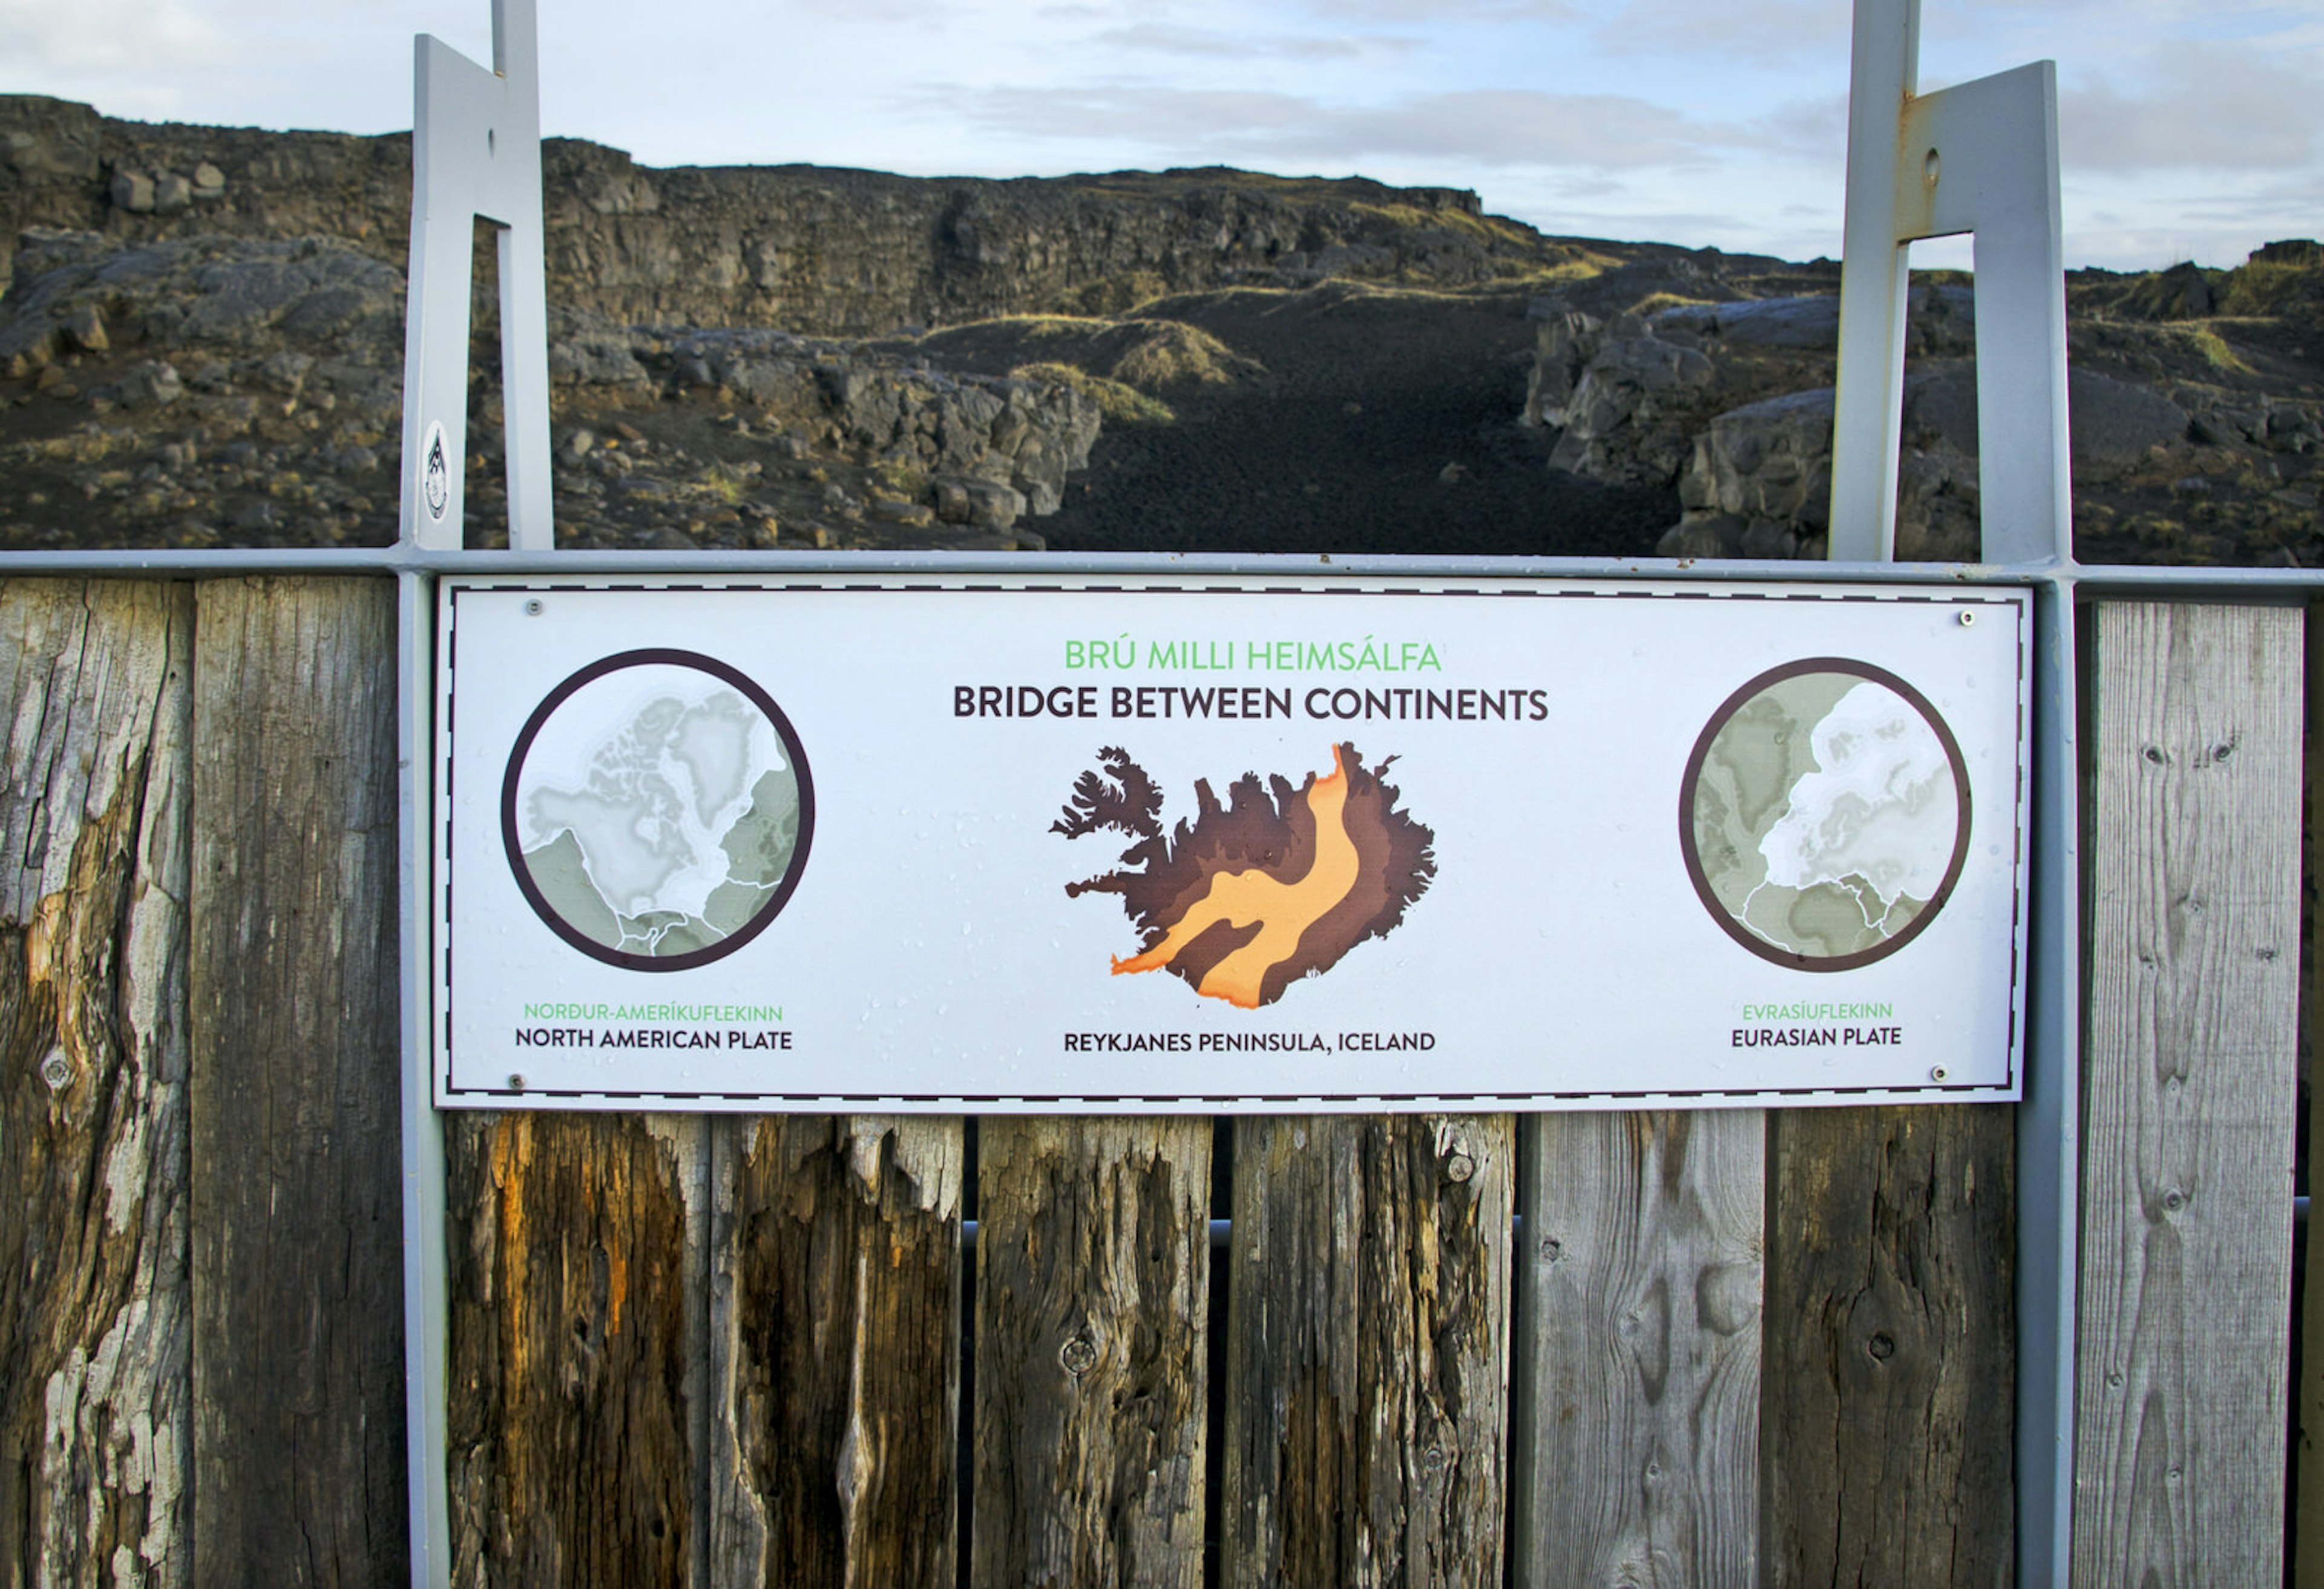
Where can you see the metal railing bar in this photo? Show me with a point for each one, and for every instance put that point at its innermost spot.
(2088, 579)
(578, 563)
(2147, 582)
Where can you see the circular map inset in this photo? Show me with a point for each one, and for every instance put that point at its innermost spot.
(1824, 815)
(657, 809)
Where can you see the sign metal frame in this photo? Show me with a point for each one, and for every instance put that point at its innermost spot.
(1963, 1015)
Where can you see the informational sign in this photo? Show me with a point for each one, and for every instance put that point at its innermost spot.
(1137, 846)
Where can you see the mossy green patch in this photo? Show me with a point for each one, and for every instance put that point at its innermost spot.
(1124, 405)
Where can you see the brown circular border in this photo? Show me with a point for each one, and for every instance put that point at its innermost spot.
(1793, 959)
(767, 912)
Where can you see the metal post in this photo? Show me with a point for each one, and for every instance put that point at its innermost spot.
(1987, 157)
(2049, 1121)
(1981, 158)
(475, 153)
(425, 1255)
(1883, 65)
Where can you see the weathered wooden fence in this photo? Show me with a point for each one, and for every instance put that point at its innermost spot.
(1721, 1349)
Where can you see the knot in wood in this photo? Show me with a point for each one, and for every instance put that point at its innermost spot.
(1433, 1459)
(1882, 1346)
(1078, 1355)
(1459, 1167)
(56, 1069)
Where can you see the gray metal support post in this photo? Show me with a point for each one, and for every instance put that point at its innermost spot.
(1986, 157)
(1884, 64)
(2049, 1120)
(1981, 158)
(425, 1255)
(475, 153)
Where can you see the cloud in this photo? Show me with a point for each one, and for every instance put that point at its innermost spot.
(2204, 105)
(104, 37)
(1444, 11)
(1812, 129)
(1767, 31)
(1488, 127)
(1213, 44)
(2296, 204)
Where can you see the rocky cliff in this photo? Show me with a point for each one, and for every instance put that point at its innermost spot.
(800, 248)
(200, 344)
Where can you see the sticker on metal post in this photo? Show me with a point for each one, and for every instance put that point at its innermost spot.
(435, 473)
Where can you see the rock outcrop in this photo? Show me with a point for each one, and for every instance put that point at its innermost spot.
(2194, 431)
(250, 390)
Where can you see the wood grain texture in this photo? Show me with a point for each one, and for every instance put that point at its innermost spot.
(95, 1325)
(577, 1347)
(1093, 1264)
(1635, 1428)
(2307, 1427)
(297, 1200)
(835, 1352)
(2186, 1235)
(1889, 1356)
(1367, 1350)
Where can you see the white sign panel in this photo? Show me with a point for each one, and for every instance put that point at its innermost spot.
(946, 844)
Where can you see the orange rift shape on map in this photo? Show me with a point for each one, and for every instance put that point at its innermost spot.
(1278, 884)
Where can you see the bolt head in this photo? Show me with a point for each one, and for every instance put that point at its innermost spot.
(532, 609)
(516, 1084)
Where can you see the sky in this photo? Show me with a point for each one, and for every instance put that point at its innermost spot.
(2188, 130)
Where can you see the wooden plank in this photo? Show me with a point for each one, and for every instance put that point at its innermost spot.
(835, 1352)
(1093, 1264)
(297, 1202)
(1889, 1366)
(2308, 1449)
(577, 1346)
(96, 1324)
(1635, 1425)
(2187, 1117)
(1367, 1350)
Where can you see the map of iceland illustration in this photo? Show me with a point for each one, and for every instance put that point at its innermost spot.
(667, 834)
(1277, 883)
